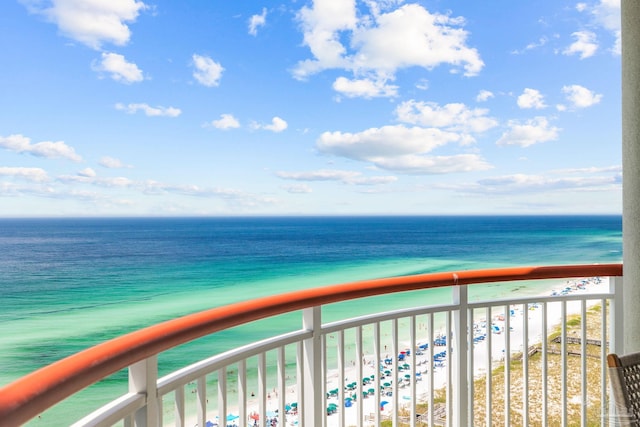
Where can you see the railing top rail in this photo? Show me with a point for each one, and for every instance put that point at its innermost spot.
(35, 392)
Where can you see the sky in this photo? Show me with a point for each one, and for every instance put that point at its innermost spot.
(326, 107)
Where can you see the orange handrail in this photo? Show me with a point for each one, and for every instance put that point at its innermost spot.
(30, 395)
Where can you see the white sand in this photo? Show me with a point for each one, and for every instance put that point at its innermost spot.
(480, 353)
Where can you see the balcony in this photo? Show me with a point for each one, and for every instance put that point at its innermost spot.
(522, 360)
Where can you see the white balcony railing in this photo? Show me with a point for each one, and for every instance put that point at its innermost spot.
(459, 363)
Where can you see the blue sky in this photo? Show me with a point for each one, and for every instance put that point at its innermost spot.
(329, 107)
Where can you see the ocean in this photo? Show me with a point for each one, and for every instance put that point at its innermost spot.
(67, 284)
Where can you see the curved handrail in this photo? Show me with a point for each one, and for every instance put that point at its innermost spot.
(41, 389)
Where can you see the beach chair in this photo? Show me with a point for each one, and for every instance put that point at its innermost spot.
(624, 376)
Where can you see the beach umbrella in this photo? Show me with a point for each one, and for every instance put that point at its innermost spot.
(254, 416)
(232, 417)
(371, 391)
(294, 405)
(384, 402)
(209, 424)
(387, 384)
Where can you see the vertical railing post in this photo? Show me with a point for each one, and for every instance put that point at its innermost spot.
(616, 338)
(462, 376)
(143, 378)
(312, 369)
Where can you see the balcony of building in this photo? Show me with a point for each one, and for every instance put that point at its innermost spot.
(519, 360)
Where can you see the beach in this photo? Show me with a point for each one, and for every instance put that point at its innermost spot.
(397, 379)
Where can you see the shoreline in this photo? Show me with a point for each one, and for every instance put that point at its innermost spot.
(480, 357)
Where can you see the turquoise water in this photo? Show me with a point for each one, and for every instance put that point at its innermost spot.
(67, 284)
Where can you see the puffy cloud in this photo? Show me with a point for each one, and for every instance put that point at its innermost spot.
(257, 21)
(387, 141)
(92, 23)
(606, 14)
(226, 121)
(321, 26)
(365, 88)
(112, 163)
(585, 44)
(401, 149)
(581, 97)
(277, 125)
(148, 110)
(207, 71)
(29, 174)
(47, 149)
(411, 36)
(381, 43)
(531, 132)
(87, 172)
(346, 177)
(484, 95)
(119, 69)
(454, 116)
(531, 98)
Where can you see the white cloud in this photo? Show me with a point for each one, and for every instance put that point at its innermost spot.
(92, 23)
(277, 125)
(112, 163)
(29, 174)
(321, 26)
(365, 88)
(346, 177)
(106, 182)
(430, 165)
(47, 149)
(531, 132)
(454, 116)
(148, 110)
(400, 149)
(257, 21)
(544, 183)
(88, 172)
(119, 69)
(408, 36)
(387, 141)
(484, 95)
(531, 46)
(531, 98)
(606, 14)
(585, 44)
(207, 71)
(226, 121)
(519, 183)
(298, 189)
(581, 97)
(381, 43)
